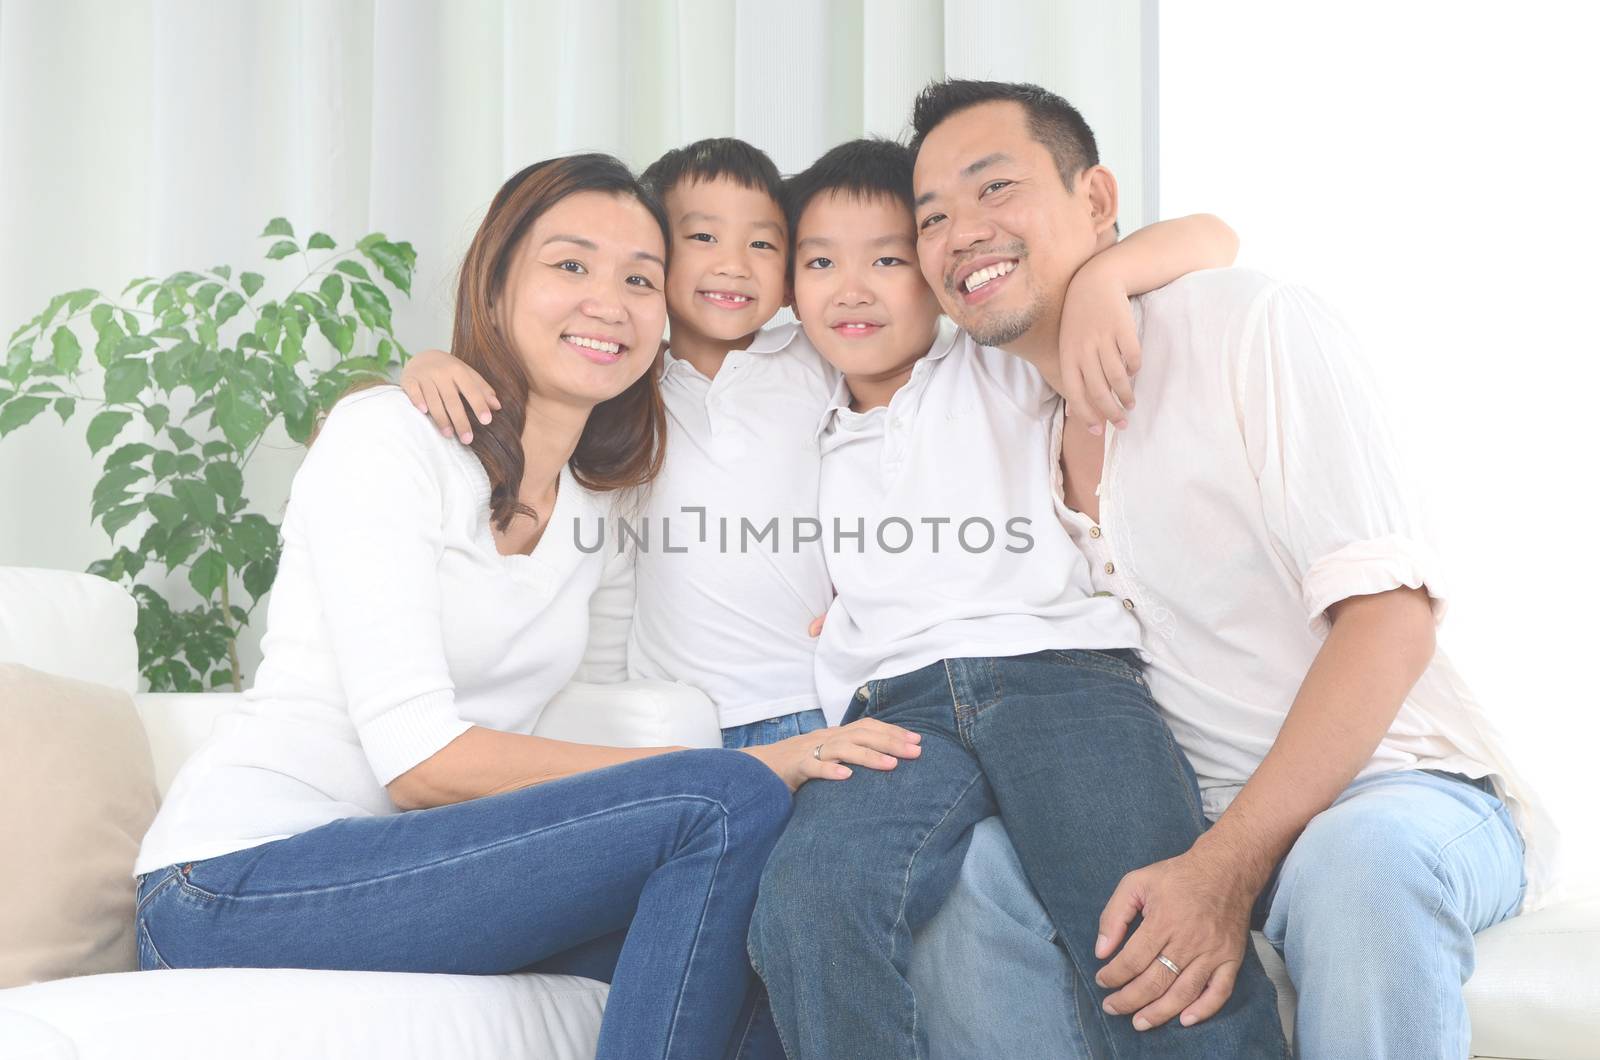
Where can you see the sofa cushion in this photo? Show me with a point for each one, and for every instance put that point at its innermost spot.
(75, 625)
(264, 1014)
(79, 792)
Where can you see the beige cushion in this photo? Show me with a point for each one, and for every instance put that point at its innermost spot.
(77, 793)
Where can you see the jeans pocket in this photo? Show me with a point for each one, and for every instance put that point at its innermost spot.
(150, 959)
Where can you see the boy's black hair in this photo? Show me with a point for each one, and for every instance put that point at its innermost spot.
(722, 157)
(1052, 121)
(862, 169)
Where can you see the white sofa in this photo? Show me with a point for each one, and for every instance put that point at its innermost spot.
(1536, 994)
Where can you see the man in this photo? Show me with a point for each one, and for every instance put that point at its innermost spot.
(1252, 518)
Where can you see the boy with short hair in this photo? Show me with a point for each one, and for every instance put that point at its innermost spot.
(964, 613)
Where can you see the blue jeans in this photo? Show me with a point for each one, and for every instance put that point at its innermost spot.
(755, 1038)
(1373, 911)
(1070, 749)
(668, 850)
(771, 730)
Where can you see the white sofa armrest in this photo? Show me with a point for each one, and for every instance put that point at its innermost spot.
(632, 714)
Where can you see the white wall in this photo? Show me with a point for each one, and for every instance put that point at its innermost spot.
(1432, 169)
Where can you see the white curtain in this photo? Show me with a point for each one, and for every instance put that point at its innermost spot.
(138, 137)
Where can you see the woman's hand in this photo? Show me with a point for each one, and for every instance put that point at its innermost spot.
(821, 755)
(1099, 349)
(442, 386)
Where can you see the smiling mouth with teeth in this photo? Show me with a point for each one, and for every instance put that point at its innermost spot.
(985, 275)
(613, 349)
(727, 298)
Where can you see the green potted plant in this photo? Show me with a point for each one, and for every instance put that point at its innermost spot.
(206, 364)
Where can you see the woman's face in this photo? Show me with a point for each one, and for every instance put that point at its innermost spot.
(584, 303)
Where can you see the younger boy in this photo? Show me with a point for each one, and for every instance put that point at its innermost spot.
(964, 613)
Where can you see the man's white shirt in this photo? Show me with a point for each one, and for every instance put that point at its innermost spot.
(1256, 485)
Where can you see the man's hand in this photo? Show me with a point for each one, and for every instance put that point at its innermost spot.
(1197, 915)
(1099, 350)
(442, 387)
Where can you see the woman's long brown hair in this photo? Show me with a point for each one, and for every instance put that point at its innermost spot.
(624, 442)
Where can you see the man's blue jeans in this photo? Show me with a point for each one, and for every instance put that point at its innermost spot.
(1070, 749)
(1373, 911)
(668, 850)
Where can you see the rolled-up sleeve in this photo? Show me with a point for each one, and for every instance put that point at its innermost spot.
(368, 508)
(1336, 499)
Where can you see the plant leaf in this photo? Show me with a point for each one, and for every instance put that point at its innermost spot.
(65, 407)
(332, 290)
(258, 577)
(278, 226)
(228, 482)
(391, 259)
(111, 336)
(19, 411)
(125, 379)
(65, 350)
(372, 305)
(182, 544)
(282, 249)
(197, 499)
(240, 416)
(321, 241)
(251, 282)
(228, 307)
(112, 489)
(207, 573)
(353, 268)
(131, 453)
(167, 510)
(104, 428)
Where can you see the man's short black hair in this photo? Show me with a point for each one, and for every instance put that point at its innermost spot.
(722, 157)
(1052, 121)
(863, 169)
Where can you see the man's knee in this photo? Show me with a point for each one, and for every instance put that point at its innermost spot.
(1360, 874)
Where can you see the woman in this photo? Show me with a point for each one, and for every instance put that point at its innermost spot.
(379, 804)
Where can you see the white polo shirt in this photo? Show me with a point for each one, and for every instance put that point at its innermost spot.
(1256, 485)
(959, 550)
(727, 584)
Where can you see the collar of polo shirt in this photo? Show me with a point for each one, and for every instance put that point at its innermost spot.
(943, 343)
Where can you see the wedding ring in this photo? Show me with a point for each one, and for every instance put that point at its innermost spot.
(816, 752)
(1162, 960)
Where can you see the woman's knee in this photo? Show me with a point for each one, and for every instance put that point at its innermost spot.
(755, 800)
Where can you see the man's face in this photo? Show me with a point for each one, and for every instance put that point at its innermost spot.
(999, 236)
(729, 259)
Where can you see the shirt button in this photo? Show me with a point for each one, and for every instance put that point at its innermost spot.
(1111, 568)
(1127, 604)
(1094, 531)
